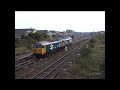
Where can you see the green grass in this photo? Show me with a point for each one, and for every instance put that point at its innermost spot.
(22, 50)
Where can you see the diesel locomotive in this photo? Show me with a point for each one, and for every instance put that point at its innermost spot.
(44, 48)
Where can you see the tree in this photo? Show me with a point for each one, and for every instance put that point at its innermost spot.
(30, 39)
(22, 37)
(54, 36)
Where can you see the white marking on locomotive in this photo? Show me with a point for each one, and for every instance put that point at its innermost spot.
(51, 47)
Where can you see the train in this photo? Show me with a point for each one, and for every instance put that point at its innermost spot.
(45, 48)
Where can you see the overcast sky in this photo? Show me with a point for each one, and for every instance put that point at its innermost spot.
(80, 21)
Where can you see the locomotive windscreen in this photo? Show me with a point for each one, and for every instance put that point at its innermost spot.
(37, 46)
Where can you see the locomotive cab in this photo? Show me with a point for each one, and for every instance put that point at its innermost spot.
(38, 48)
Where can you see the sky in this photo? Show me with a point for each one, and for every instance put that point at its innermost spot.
(79, 21)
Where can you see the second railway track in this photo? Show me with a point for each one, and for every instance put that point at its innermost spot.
(24, 62)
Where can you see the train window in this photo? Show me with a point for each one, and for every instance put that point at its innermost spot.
(40, 46)
(35, 46)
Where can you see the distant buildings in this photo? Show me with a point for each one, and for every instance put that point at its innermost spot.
(69, 32)
(19, 32)
(44, 31)
(101, 32)
(53, 32)
(58, 34)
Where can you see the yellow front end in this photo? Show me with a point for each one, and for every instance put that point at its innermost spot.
(40, 51)
(43, 51)
(37, 51)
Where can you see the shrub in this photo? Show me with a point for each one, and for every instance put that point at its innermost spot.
(85, 52)
(54, 36)
(91, 45)
(92, 41)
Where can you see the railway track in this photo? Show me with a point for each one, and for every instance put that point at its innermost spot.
(24, 62)
(19, 57)
(42, 66)
(53, 69)
(21, 60)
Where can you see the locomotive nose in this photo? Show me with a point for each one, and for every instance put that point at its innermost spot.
(36, 50)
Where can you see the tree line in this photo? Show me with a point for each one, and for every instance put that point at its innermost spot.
(30, 39)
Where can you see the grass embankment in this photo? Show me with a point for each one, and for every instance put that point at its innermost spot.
(90, 64)
(22, 50)
(23, 47)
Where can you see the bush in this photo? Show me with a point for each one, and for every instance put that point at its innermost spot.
(45, 36)
(29, 40)
(29, 46)
(54, 36)
(19, 44)
(85, 52)
(91, 45)
(92, 41)
(100, 37)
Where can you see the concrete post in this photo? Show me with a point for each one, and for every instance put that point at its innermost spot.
(65, 48)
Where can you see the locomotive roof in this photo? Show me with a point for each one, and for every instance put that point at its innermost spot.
(47, 42)
(43, 42)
